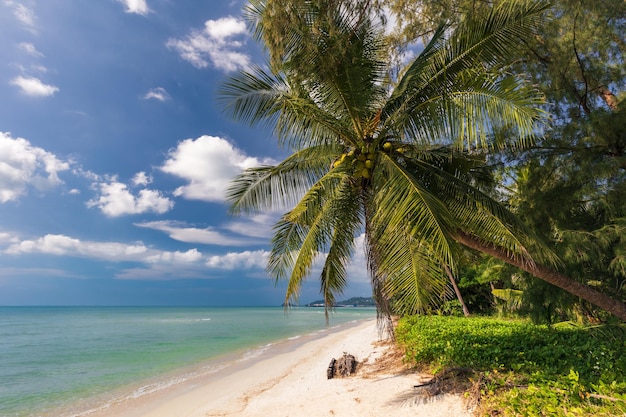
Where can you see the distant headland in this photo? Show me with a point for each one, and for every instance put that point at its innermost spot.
(350, 302)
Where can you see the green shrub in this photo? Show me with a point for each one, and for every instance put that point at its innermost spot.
(526, 369)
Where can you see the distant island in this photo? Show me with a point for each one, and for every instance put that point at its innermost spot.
(350, 302)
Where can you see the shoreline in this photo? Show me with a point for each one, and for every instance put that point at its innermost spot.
(288, 378)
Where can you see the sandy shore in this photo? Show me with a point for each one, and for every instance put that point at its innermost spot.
(291, 381)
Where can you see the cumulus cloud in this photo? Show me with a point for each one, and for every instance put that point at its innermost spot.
(218, 43)
(136, 6)
(157, 93)
(33, 86)
(30, 49)
(115, 200)
(23, 165)
(208, 163)
(239, 260)
(207, 236)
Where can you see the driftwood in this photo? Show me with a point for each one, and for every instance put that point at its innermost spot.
(344, 366)
(330, 372)
(446, 381)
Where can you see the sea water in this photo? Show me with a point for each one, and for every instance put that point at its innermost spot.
(65, 358)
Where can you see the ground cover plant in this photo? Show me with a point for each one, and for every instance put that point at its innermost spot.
(516, 368)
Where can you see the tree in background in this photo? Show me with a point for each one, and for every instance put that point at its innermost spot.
(373, 154)
(571, 185)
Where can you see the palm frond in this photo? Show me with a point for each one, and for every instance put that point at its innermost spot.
(480, 215)
(419, 280)
(453, 79)
(259, 97)
(347, 220)
(305, 233)
(331, 73)
(253, 96)
(277, 187)
(485, 104)
(400, 199)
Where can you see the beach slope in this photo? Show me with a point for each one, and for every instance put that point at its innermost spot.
(291, 381)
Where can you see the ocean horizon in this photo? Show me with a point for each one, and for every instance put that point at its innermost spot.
(72, 360)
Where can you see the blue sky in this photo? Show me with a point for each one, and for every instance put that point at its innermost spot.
(114, 157)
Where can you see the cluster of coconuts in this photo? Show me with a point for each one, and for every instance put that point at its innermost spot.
(362, 159)
(363, 162)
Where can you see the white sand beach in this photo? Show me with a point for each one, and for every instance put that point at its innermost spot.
(292, 382)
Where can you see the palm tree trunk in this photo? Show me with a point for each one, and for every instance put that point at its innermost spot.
(609, 304)
(466, 312)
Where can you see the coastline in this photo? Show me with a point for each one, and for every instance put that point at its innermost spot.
(288, 378)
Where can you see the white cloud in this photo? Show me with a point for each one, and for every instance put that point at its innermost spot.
(259, 225)
(33, 86)
(357, 269)
(116, 200)
(23, 165)
(90, 175)
(207, 236)
(141, 178)
(61, 245)
(159, 265)
(192, 265)
(239, 260)
(191, 256)
(6, 238)
(217, 43)
(136, 6)
(23, 14)
(209, 163)
(30, 49)
(157, 93)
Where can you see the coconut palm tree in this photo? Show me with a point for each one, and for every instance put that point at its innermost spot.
(382, 156)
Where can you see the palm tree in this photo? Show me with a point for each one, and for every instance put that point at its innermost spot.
(385, 157)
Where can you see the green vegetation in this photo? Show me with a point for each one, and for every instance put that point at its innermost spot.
(570, 186)
(522, 369)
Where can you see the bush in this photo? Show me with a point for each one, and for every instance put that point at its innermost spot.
(525, 369)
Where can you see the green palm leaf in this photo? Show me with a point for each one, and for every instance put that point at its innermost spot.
(274, 187)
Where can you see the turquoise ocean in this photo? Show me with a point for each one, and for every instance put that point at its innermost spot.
(70, 361)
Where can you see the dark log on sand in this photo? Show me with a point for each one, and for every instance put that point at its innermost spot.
(344, 366)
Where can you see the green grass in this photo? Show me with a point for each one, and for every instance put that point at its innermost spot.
(524, 369)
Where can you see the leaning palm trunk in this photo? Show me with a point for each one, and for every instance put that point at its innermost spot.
(378, 157)
(459, 297)
(587, 293)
